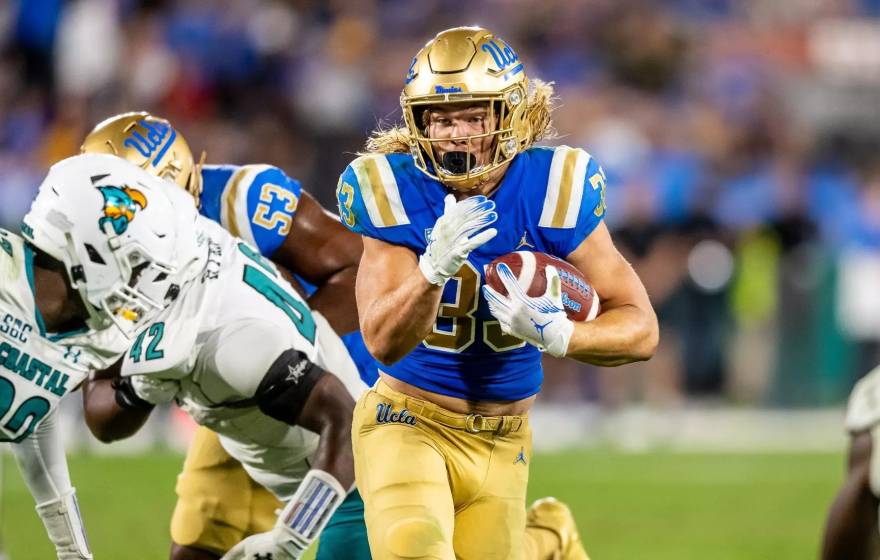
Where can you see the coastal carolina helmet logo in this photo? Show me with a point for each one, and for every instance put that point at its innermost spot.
(120, 206)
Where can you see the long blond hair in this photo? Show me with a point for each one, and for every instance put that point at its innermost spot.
(397, 139)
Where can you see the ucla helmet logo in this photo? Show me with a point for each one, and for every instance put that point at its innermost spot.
(120, 207)
(152, 144)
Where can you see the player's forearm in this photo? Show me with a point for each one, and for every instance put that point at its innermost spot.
(334, 454)
(336, 302)
(397, 322)
(328, 412)
(618, 336)
(105, 418)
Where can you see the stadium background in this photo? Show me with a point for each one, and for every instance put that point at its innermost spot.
(739, 138)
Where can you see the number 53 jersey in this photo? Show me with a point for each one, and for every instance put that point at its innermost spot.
(218, 341)
(549, 200)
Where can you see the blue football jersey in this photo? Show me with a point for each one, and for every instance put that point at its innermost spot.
(550, 200)
(258, 203)
(253, 202)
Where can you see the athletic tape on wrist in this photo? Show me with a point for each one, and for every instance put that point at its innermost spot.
(314, 502)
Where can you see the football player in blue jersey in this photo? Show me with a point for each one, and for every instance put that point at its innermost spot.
(442, 442)
(265, 207)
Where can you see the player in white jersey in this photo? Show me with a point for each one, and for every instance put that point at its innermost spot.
(851, 530)
(243, 354)
(99, 259)
(272, 212)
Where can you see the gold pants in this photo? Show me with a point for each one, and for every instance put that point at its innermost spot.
(218, 504)
(440, 485)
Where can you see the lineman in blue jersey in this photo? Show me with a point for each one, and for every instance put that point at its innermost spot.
(442, 443)
(264, 206)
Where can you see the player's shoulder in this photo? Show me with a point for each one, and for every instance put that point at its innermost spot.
(13, 257)
(256, 202)
(230, 182)
(567, 184)
(11, 245)
(863, 409)
(376, 191)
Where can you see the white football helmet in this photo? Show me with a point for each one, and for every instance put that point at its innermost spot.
(128, 239)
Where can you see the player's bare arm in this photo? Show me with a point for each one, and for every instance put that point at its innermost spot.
(328, 413)
(112, 411)
(626, 330)
(397, 304)
(851, 526)
(322, 251)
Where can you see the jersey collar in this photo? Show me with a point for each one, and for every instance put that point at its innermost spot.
(29, 268)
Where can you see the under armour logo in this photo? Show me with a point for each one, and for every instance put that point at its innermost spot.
(521, 457)
(540, 328)
(267, 556)
(524, 242)
(71, 354)
(294, 373)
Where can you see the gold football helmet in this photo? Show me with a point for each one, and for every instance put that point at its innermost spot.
(149, 142)
(468, 65)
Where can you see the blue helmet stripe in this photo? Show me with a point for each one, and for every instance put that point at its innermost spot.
(167, 145)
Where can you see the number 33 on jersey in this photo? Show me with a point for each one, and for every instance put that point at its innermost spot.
(550, 200)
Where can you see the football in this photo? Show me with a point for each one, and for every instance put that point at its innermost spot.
(579, 299)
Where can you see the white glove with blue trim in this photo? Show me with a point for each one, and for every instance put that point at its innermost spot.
(540, 321)
(298, 524)
(456, 233)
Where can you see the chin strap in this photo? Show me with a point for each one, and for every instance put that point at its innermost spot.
(65, 528)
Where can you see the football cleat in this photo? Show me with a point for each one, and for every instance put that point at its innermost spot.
(552, 515)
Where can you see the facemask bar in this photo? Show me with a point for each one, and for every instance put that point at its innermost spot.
(129, 307)
(506, 144)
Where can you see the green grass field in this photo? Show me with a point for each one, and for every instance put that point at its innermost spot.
(657, 506)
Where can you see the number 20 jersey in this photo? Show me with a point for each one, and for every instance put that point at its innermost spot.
(37, 368)
(549, 200)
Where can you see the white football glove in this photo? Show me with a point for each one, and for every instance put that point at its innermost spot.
(456, 233)
(540, 321)
(277, 544)
(299, 523)
(155, 390)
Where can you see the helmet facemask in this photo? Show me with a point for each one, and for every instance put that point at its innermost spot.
(128, 240)
(144, 285)
(460, 169)
(467, 66)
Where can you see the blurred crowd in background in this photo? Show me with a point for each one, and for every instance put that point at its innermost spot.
(740, 138)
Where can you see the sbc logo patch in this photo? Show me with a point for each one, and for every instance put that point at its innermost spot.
(385, 415)
(120, 206)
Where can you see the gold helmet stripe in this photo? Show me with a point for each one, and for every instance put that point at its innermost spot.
(380, 191)
(565, 188)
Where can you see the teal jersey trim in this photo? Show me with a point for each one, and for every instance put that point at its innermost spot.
(29, 268)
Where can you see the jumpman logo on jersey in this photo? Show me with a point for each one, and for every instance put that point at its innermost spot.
(540, 328)
(521, 457)
(524, 242)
